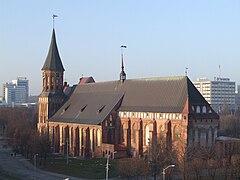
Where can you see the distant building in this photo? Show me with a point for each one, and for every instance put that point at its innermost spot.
(237, 99)
(220, 93)
(16, 92)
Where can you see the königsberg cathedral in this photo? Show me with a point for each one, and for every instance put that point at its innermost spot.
(95, 119)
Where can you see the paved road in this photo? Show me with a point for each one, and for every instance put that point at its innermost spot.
(19, 167)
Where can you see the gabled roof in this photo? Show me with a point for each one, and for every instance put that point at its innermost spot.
(84, 80)
(168, 94)
(87, 108)
(53, 60)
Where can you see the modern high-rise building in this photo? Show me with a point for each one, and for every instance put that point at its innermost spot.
(220, 93)
(16, 92)
(237, 99)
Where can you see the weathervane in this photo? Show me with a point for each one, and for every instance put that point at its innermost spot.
(54, 16)
(186, 68)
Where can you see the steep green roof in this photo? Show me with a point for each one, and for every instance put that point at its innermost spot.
(53, 60)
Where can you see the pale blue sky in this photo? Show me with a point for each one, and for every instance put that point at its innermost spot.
(163, 37)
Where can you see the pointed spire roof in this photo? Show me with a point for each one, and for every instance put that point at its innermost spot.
(53, 60)
(122, 74)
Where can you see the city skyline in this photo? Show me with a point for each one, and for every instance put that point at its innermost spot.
(163, 38)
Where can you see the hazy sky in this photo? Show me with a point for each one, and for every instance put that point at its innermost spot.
(163, 37)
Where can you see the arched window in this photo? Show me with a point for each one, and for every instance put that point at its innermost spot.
(82, 136)
(203, 137)
(215, 134)
(210, 137)
(174, 116)
(162, 130)
(196, 140)
(71, 137)
(176, 133)
(98, 136)
(204, 109)
(134, 133)
(167, 116)
(198, 109)
(193, 109)
(190, 136)
(92, 136)
(147, 136)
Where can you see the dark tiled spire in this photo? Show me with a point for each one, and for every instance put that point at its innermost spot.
(53, 60)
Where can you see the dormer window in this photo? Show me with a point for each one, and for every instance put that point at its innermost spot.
(84, 107)
(65, 109)
(100, 109)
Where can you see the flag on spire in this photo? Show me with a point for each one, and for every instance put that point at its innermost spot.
(54, 15)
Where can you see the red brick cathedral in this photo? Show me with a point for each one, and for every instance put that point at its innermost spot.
(126, 115)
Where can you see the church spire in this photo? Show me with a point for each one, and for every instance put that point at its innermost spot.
(53, 60)
(122, 74)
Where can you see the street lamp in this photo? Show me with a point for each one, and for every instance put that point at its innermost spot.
(107, 165)
(67, 142)
(164, 169)
(35, 164)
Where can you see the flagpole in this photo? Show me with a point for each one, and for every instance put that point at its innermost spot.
(54, 20)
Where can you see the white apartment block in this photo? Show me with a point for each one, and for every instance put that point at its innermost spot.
(16, 92)
(220, 93)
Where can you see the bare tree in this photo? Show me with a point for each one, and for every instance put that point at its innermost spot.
(230, 126)
(133, 168)
(159, 157)
(196, 166)
(235, 166)
(183, 154)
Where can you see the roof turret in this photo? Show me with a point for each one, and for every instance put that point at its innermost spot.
(123, 75)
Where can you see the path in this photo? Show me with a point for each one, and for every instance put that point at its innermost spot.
(21, 168)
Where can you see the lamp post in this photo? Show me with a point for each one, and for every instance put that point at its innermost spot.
(35, 165)
(67, 149)
(107, 164)
(164, 169)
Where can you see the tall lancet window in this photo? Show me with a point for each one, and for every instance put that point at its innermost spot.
(134, 134)
(147, 135)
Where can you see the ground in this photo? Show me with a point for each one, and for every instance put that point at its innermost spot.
(16, 167)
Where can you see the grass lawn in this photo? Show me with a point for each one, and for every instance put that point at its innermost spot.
(5, 175)
(82, 168)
